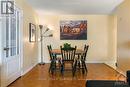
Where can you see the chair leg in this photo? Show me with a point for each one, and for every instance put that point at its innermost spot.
(85, 66)
(50, 67)
(74, 68)
(60, 63)
(79, 64)
(53, 66)
(62, 69)
(79, 61)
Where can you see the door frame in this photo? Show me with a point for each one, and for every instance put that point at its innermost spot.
(3, 84)
(21, 41)
(0, 51)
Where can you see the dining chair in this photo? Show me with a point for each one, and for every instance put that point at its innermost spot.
(83, 58)
(68, 56)
(54, 59)
(49, 50)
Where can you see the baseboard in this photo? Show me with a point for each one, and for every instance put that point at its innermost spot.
(29, 69)
(121, 72)
(47, 61)
(95, 61)
(112, 65)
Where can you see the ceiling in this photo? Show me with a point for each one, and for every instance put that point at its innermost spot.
(74, 6)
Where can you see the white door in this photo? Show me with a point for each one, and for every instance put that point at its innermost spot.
(11, 48)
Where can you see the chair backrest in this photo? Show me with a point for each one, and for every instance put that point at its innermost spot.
(85, 52)
(49, 50)
(68, 54)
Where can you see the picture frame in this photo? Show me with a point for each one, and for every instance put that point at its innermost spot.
(32, 32)
(73, 30)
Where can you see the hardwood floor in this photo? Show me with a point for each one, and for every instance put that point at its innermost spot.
(39, 77)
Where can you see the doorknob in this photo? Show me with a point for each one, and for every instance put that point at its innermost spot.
(6, 48)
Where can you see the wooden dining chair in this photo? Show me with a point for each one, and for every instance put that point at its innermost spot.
(83, 58)
(54, 59)
(49, 50)
(68, 56)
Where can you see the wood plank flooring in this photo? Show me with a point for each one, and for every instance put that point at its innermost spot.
(39, 77)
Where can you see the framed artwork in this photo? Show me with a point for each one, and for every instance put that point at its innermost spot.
(73, 30)
(32, 32)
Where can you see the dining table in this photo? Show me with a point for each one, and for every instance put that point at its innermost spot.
(58, 52)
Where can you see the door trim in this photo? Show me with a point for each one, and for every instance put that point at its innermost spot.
(21, 40)
(0, 51)
(3, 84)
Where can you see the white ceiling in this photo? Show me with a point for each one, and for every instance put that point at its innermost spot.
(74, 6)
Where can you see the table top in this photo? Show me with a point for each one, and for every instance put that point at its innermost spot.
(58, 51)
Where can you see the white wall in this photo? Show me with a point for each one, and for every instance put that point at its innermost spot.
(30, 50)
(101, 36)
(112, 42)
(123, 36)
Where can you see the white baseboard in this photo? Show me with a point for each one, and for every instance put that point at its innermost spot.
(47, 61)
(121, 72)
(112, 65)
(87, 61)
(95, 61)
(29, 69)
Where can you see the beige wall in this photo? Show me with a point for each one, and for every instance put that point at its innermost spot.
(101, 36)
(123, 35)
(30, 50)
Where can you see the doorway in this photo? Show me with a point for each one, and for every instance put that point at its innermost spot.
(11, 47)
